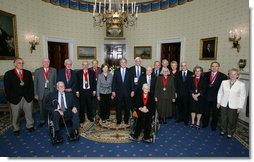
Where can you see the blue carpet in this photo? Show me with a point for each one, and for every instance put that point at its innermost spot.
(173, 140)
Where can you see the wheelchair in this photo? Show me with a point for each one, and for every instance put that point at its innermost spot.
(55, 139)
(155, 126)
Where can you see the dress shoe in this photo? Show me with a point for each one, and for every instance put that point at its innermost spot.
(213, 129)
(204, 126)
(149, 140)
(118, 122)
(31, 129)
(222, 133)
(91, 120)
(16, 133)
(198, 127)
(192, 125)
(41, 125)
(165, 122)
(132, 138)
(126, 122)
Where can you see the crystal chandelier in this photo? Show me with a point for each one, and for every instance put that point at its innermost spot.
(115, 16)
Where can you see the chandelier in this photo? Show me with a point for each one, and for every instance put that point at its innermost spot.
(116, 15)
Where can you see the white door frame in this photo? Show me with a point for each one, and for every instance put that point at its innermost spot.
(179, 39)
(113, 42)
(47, 39)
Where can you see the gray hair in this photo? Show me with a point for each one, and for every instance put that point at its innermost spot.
(164, 69)
(233, 69)
(67, 60)
(145, 86)
(197, 67)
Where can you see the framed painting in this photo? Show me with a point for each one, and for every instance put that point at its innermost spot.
(8, 36)
(86, 52)
(208, 48)
(144, 52)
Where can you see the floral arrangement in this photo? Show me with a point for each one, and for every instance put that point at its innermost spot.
(112, 69)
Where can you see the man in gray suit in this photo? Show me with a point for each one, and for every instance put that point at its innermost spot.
(44, 84)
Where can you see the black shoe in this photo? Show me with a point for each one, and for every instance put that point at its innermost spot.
(192, 125)
(132, 138)
(31, 129)
(164, 122)
(198, 127)
(118, 122)
(222, 133)
(204, 126)
(41, 125)
(148, 140)
(16, 133)
(213, 129)
(126, 122)
(91, 120)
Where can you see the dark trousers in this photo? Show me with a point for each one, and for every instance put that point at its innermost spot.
(68, 114)
(174, 110)
(228, 120)
(105, 106)
(183, 109)
(86, 105)
(43, 106)
(143, 121)
(211, 106)
(123, 103)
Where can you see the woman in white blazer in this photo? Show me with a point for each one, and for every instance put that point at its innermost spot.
(230, 99)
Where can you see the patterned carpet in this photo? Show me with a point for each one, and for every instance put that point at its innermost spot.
(173, 140)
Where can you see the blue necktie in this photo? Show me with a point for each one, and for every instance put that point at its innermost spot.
(123, 74)
(138, 74)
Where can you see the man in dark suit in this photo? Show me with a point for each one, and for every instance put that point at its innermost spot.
(44, 84)
(85, 91)
(62, 104)
(183, 97)
(97, 71)
(68, 76)
(136, 71)
(208, 52)
(122, 90)
(213, 80)
(150, 79)
(157, 68)
(19, 89)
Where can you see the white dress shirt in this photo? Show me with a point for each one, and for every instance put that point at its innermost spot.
(59, 100)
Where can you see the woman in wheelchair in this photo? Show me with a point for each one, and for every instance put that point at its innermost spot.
(62, 107)
(143, 112)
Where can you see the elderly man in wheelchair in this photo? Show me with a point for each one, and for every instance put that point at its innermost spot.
(62, 106)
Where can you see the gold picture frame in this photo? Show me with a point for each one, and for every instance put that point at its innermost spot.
(8, 36)
(144, 52)
(208, 48)
(86, 52)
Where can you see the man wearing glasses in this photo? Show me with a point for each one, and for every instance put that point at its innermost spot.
(19, 89)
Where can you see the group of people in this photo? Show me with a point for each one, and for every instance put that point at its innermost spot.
(183, 95)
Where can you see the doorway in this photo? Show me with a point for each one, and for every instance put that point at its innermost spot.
(171, 52)
(57, 53)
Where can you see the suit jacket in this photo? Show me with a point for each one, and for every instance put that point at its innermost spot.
(53, 101)
(14, 91)
(104, 86)
(133, 74)
(122, 89)
(181, 86)
(154, 72)
(202, 87)
(143, 80)
(39, 81)
(234, 97)
(92, 81)
(150, 105)
(62, 77)
(212, 91)
(99, 71)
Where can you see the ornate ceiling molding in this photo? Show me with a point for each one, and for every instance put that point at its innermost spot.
(143, 5)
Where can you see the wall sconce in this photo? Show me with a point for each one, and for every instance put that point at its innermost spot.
(33, 41)
(235, 37)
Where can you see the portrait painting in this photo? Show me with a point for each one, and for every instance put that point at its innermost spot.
(8, 36)
(208, 48)
(144, 52)
(86, 52)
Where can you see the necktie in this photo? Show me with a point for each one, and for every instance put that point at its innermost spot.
(213, 74)
(156, 72)
(86, 80)
(123, 74)
(138, 74)
(62, 107)
(149, 81)
(20, 73)
(184, 76)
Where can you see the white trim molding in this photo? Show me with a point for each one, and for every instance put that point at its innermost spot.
(70, 42)
(179, 39)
